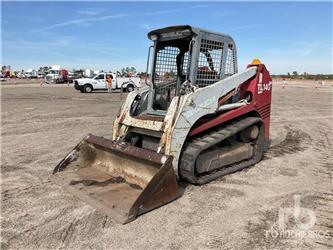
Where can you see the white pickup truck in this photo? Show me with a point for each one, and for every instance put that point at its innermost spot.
(100, 82)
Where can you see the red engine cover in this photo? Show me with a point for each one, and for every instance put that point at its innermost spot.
(260, 88)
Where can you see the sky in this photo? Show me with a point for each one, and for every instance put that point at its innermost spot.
(286, 36)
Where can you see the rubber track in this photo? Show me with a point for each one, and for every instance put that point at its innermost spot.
(195, 146)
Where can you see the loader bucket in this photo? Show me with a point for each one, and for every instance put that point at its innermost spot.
(118, 179)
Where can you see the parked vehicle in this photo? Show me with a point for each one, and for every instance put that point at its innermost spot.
(6, 74)
(20, 75)
(72, 76)
(30, 73)
(99, 82)
(57, 75)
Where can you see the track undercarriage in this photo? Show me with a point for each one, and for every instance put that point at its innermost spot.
(222, 151)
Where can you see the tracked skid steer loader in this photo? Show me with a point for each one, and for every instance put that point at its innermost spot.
(197, 119)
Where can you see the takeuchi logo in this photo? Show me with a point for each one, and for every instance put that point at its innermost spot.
(264, 87)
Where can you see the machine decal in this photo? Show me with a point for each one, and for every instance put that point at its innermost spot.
(264, 87)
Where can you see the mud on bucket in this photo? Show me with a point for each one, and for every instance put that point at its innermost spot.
(118, 179)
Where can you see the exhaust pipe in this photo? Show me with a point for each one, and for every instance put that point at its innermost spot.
(117, 178)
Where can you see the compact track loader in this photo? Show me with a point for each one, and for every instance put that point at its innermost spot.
(198, 119)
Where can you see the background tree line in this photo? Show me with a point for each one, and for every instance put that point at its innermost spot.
(305, 75)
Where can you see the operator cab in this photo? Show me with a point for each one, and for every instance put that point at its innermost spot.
(187, 54)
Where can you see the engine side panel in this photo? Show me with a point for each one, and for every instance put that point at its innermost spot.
(260, 89)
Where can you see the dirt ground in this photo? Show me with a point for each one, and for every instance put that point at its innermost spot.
(241, 211)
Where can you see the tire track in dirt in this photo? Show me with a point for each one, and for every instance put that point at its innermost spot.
(15, 192)
(295, 141)
(324, 211)
(324, 220)
(26, 232)
(67, 234)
